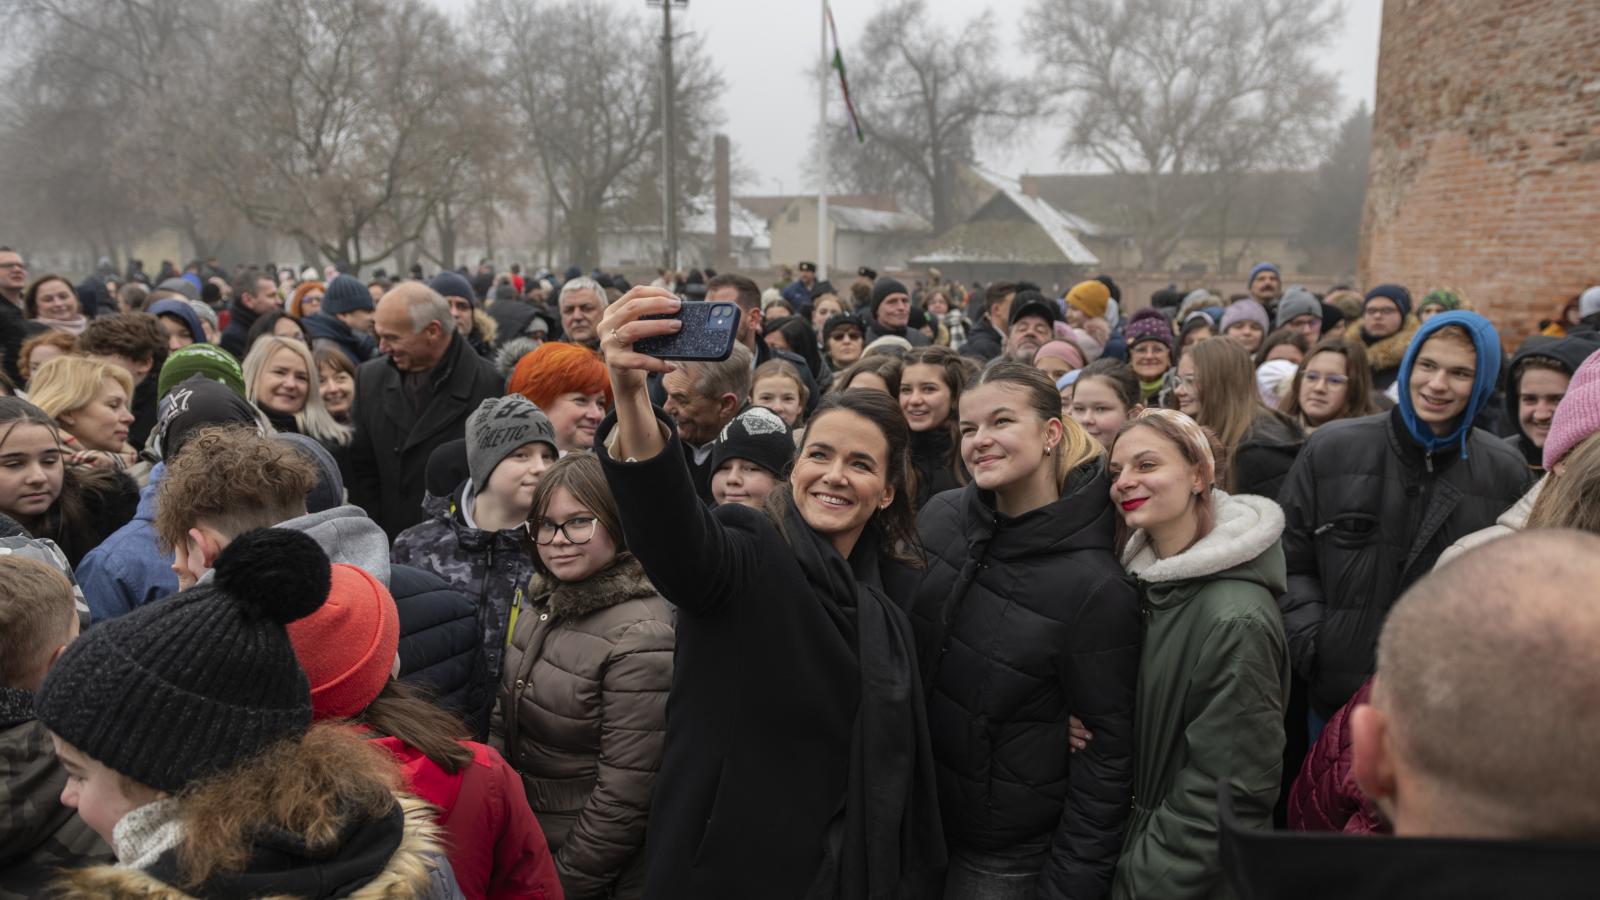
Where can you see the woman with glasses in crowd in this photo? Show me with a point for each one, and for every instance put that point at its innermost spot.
(1332, 382)
(583, 698)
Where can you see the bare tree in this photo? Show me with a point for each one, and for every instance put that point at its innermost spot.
(591, 114)
(343, 122)
(1166, 90)
(88, 138)
(927, 98)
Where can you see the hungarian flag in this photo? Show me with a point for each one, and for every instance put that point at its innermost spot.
(844, 84)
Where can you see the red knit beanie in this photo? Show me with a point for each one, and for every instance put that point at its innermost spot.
(348, 647)
(557, 368)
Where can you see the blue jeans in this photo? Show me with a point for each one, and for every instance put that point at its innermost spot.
(974, 875)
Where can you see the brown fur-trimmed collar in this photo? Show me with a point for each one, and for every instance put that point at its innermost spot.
(1389, 352)
(623, 580)
(408, 874)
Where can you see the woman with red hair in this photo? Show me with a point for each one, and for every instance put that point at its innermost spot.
(569, 383)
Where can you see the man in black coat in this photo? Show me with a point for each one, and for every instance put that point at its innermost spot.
(988, 337)
(409, 401)
(746, 294)
(254, 295)
(890, 313)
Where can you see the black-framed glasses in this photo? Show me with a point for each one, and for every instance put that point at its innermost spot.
(578, 530)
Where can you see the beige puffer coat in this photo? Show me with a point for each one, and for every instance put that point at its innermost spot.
(582, 717)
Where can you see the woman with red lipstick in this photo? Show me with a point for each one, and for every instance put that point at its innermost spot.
(1214, 674)
(797, 760)
(931, 380)
(1024, 617)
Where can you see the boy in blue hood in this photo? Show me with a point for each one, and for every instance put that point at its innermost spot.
(1372, 502)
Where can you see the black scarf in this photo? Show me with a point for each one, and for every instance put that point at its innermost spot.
(886, 841)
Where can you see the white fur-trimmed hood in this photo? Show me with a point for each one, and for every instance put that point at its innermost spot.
(1247, 526)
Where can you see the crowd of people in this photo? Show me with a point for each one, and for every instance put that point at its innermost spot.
(319, 587)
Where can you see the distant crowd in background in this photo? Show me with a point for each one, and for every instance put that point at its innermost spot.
(423, 586)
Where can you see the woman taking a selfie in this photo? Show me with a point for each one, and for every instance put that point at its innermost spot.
(797, 761)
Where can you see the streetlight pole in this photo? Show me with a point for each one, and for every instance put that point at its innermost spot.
(669, 137)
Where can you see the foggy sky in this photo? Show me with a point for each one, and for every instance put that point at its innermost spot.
(764, 49)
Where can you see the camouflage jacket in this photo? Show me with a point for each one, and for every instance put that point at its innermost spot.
(493, 568)
(37, 834)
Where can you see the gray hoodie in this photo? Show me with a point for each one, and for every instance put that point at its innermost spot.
(347, 535)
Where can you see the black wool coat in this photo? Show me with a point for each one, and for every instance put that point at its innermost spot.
(1021, 622)
(390, 448)
(765, 689)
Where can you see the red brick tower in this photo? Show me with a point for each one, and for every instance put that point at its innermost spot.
(1485, 170)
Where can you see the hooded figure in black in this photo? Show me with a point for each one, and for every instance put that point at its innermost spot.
(1372, 502)
(1538, 380)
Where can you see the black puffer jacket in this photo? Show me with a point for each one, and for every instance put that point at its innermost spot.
(441, 645)
(983, 342)
(1266, 454)
(1020, 622)
(1368, 513)
(933, 458)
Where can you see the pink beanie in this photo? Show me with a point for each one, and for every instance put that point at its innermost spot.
(1578, 414)
(1061, 350)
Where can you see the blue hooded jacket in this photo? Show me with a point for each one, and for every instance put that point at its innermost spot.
(183, 311)
(1487, 343)
(128, 570)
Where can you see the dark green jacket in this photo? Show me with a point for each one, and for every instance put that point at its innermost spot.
(1213, 681)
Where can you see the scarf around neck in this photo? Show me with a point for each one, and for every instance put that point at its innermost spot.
(886, 840)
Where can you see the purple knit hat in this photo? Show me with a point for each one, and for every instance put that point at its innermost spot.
(1245, 311)
(1578, 414)
(1148, 324)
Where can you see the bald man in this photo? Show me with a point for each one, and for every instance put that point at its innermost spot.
(413, 398)
(1480, 742)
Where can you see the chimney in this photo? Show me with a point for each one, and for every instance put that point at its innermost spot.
(1030, 186)
(723, 249)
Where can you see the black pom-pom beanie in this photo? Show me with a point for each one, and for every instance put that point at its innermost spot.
(197, 683)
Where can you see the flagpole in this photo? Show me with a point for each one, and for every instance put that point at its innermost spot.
(822, 135)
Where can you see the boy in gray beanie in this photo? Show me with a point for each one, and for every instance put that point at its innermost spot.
(474, 536)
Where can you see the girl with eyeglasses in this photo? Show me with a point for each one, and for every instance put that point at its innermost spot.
(583, 696)
(1332, 382)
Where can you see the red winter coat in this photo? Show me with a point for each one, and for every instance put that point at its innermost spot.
(1325, 797)
(494, 842)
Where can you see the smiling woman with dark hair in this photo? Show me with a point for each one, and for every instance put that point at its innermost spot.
(797, 690)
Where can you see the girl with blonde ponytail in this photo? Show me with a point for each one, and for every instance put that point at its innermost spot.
(1023, 618)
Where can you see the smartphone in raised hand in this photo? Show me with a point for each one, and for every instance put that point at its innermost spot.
(707, 335)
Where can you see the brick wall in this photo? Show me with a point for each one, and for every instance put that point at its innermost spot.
(1485, 170)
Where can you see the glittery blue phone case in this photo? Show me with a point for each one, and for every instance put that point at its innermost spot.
(707, 334)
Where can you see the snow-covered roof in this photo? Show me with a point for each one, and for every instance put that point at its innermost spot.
(743, 223)
(982, 240)
(875, 221)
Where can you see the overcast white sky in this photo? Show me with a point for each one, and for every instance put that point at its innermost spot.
(765, 47)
